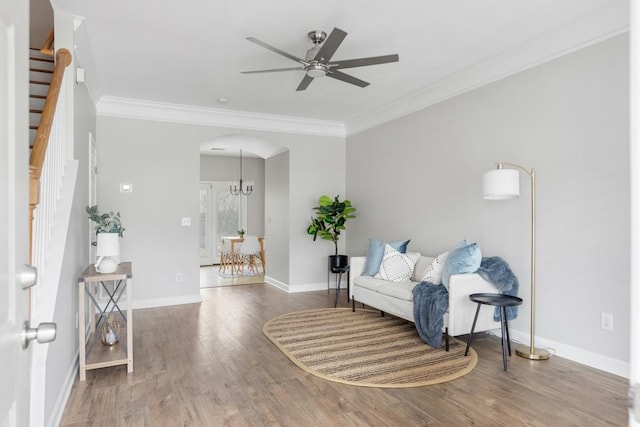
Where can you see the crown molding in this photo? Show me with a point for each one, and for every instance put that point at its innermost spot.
(176, 113)
(592, 28)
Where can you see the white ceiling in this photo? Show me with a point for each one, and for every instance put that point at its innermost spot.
(192, 52)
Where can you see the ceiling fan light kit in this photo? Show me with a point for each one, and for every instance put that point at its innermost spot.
(316, 70)
(317, 59)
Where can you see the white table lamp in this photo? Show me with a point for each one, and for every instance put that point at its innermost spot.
(108, 247)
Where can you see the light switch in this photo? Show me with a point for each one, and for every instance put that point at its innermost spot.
(79, 75)
(126, 188)
(186, 221)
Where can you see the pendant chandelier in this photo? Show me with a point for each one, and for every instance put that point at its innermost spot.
(241, 190)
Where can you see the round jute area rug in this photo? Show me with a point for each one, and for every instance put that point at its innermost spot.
(365, 349)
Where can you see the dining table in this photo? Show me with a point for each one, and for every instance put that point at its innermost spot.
(237, 239)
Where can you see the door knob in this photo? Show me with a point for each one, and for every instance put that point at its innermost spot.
(27, 276)
(44, 333)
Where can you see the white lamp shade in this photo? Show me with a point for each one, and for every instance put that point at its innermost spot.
(501, 184)
(108, 244)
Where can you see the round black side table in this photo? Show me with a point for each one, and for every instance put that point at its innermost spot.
(496, 300)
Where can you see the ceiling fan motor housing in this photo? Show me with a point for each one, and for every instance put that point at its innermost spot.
(317, 36)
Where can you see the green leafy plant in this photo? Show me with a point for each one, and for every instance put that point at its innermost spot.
(107, 222)
(332, 214)
(241, 232)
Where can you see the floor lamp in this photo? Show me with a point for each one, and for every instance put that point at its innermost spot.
(500, 184)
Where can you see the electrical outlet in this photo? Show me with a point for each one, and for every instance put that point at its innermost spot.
(186, 221)
(178, 277)
(606, 321)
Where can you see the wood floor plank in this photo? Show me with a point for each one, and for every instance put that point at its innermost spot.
(209, 364)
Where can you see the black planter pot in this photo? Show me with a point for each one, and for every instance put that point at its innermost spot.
(337, 262)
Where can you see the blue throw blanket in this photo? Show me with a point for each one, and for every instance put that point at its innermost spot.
(496, 271)
(431, 302)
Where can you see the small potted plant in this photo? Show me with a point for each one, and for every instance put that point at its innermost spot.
(332, 214)
(109, 229)
(107, 222)
(241, 233)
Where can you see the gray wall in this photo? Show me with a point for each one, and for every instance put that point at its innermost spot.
(162, 161)
(224, 168)
(568, 119)
(277, 216)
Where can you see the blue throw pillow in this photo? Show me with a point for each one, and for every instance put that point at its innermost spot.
(463, 259)
(376, 252)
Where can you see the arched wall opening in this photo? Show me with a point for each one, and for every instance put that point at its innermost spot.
(265, 165)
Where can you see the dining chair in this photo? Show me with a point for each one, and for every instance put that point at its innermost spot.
(249, 250)
(225, 255)
(238, 258)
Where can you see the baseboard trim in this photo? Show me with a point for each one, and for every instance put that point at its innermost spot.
(308, 287)
(293, 289)
(276, 283)
(63, 396)
(575, 354)
(164, 302)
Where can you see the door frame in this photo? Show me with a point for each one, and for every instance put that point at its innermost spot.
(93, 191)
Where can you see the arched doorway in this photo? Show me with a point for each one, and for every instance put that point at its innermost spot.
(221, 212)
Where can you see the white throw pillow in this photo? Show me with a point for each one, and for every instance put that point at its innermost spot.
(395, 266)
(433, 273)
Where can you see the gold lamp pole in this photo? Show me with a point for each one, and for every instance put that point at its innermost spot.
(500, 184)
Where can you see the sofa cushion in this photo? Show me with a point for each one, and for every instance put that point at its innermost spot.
(395, 266)
(368, 282)
(402, 290)
(433, 273)
(421, 266)
(464, 259)
(376, 252)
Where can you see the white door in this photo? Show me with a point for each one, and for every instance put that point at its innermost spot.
(15, 362)
(221, 214)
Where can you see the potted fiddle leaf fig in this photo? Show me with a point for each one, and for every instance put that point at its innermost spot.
(329, 222)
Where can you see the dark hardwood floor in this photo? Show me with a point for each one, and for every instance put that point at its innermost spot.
(209, 364)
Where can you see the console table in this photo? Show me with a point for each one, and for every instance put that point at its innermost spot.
(93, 354)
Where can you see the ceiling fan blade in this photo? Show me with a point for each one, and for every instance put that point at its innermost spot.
(276, 50)
(339, 75)
(273, 70)
(363, 62)
(306, 80)
(330, 45)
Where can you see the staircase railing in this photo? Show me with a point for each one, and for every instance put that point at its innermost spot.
(47, 47)
(55, 163)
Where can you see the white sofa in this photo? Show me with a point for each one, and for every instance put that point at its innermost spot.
(397, 298)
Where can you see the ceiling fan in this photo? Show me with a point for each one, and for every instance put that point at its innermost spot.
(317, 62)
